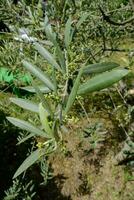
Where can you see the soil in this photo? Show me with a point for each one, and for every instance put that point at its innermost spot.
(83, 172)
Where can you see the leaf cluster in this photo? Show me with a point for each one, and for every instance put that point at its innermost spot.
(86, 79)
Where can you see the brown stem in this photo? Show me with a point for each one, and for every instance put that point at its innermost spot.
(110, 21)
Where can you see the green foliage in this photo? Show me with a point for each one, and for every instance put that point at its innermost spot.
(84, 35)
(45, 171)
(7, 76)
(95, 134)
(19, 191)
(51, 121)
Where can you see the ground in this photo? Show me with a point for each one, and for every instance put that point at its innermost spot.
(92, 173)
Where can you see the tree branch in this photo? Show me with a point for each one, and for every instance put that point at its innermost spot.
(132, 4)
(110, 21)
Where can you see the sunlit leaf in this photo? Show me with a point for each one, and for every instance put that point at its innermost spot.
(102, 81)
(99, 67)
(27, 126)
(30, 160)
(52, 37)
(39, 74)
(44, 119)
(47, 55)
(48, 30)
(68, 32)
(42, 98)
(26, 104)
(60, 57)
(31, 89)
(73, 93)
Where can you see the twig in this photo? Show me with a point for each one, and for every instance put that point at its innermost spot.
(121, 95)
(83, 110)
(5, 89)
(110, 21)
(119, 9)
(120, 124)
(119, 50)
(111, 98)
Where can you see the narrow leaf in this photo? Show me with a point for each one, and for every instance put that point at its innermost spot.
(48, 30)
(73, 93)
(81, 20)
(55, 130)
(52, 37)
(39, 74)
(68, 32)
(30, 160)
(27, 126)
(47, 55)
(102, 81)
(31, 89)
(44, 119)
(99, 67)
(43, 100)
(26, 104)
(60, 57)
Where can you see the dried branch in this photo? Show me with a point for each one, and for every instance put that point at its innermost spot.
(115, 49)
(110, 21)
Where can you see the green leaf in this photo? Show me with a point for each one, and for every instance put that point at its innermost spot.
(42, 99)
(52, 37)
(68, 32)
(73, 93)
(31, 89)
(60, 57)
(39, 74)
(55, 129)
(27, 126)
(48, 56)
(99, 67)
(102, 81)
(25, 79)
(26, 104)
(44, 120)
(6, 75)
(48, 30)
(30, 160)
(3, 73)
(81, 20)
